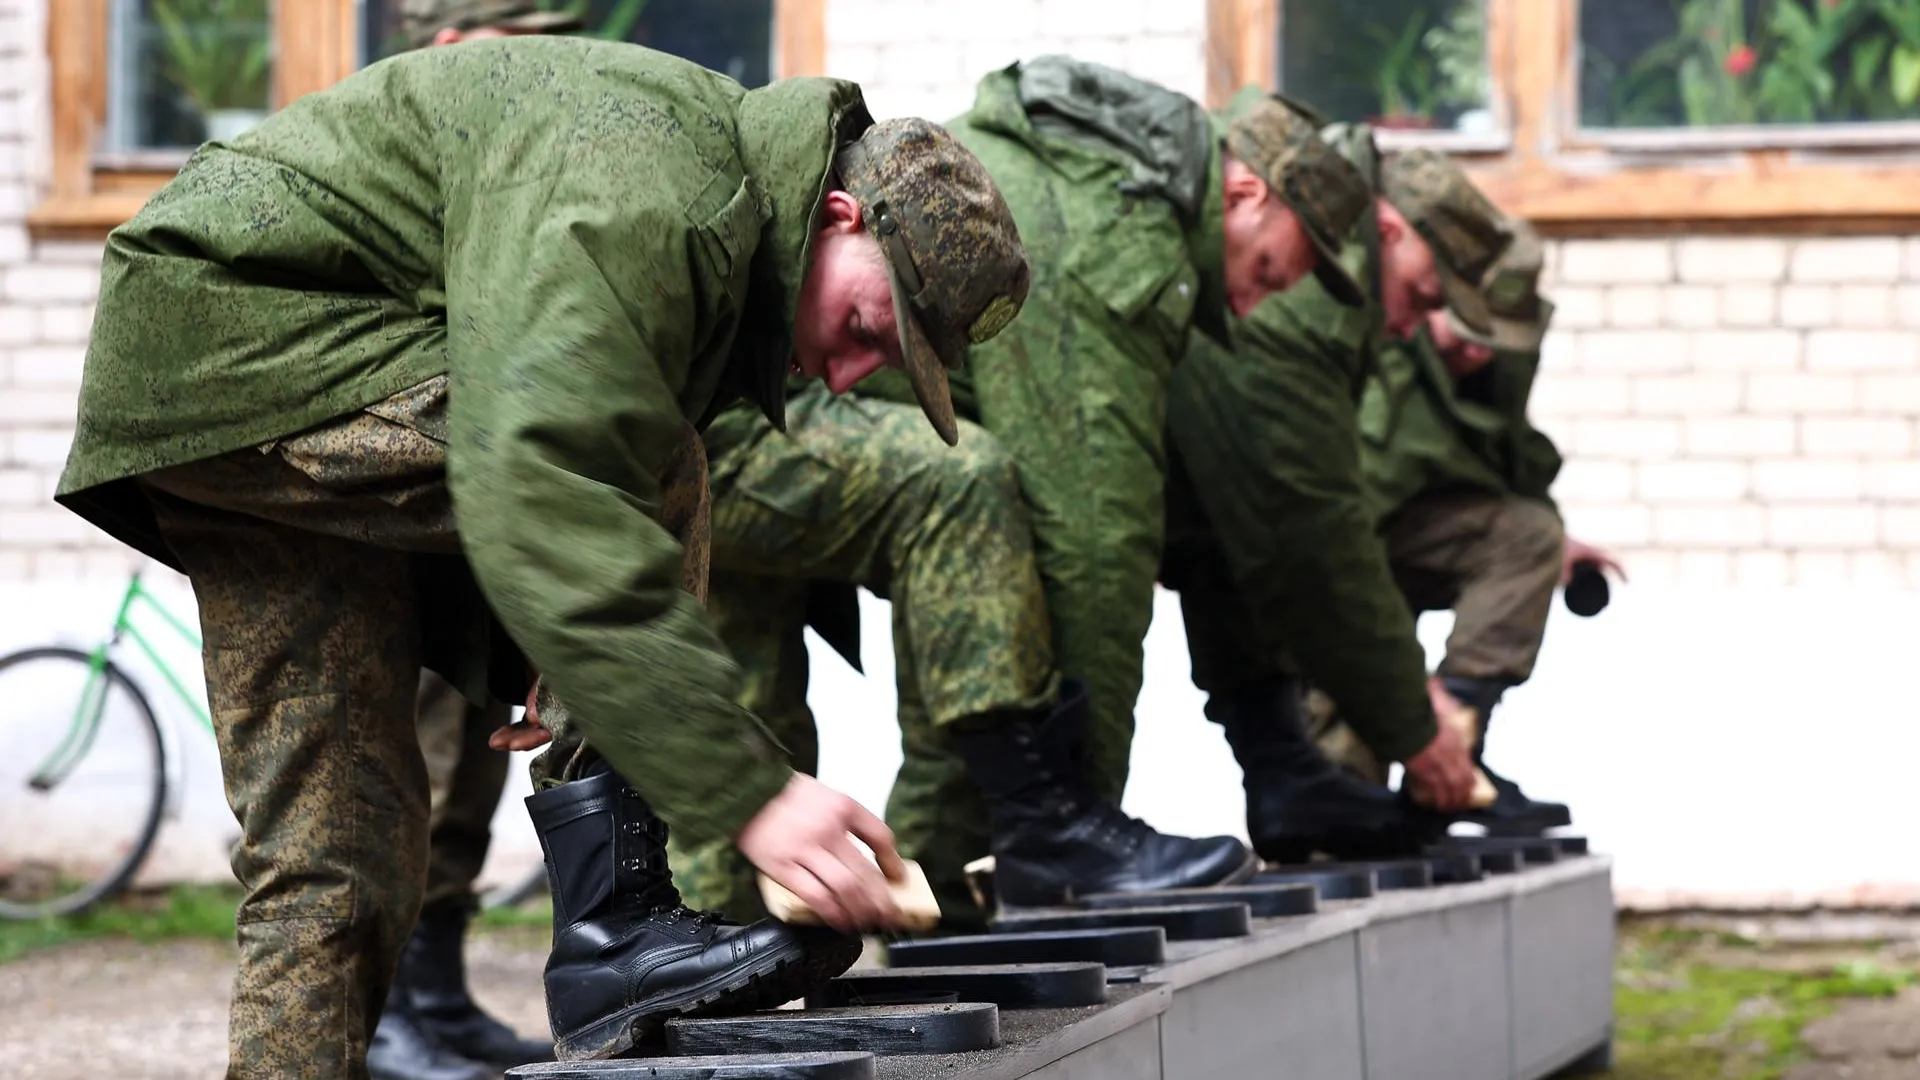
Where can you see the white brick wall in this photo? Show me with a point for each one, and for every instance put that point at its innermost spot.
(1791, 367)
(1737, 410)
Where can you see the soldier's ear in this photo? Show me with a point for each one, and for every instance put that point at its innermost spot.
(1241, 184)
(840, 212)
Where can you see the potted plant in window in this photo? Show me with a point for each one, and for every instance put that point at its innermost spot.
(1404, 79)
(218, 52)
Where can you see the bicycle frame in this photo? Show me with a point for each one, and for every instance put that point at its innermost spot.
(84, 727)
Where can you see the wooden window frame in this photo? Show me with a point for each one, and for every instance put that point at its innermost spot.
(1574, 181)
(316, 43)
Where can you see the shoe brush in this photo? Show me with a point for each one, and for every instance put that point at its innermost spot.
(919, 910)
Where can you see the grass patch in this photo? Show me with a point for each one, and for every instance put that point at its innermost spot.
(1705, 1005)
(530, 914)
(189, 911)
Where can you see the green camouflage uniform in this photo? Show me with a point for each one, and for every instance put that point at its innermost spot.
(1459, 478)
(264, 407)
(1116, 186)
(857, 492)
(465, 776)
(1272, 536)
(1101, 327)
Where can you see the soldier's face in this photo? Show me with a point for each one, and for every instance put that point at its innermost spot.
(1409, 277)
(1267, 248)
(843, 327)
(1461, 356)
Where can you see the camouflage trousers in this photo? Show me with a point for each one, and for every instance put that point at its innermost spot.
(465, 777)
(316, 562)
(862, 493)
(1491, 559)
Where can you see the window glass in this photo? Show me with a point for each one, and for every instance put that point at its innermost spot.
(733, 37)
(181, 72)
(1715, 63)
(1417, 64)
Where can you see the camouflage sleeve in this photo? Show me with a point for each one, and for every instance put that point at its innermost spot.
(1269, 438)
(573, 320)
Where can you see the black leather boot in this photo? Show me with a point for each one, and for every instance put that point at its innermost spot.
(627, 955)
(1298, 802)
(1053, 840)
(404, 1049)
(1512, 813)
(433, 973)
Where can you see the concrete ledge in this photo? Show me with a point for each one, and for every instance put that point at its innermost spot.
(1508, 978)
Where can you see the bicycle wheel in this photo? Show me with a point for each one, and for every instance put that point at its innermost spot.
(83, 781)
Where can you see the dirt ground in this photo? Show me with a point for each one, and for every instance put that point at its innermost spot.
(158, 1011)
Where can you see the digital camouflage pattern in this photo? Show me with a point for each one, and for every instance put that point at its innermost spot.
(314, 645)
(1075, 389)
(930, 204)
(592, 322)
(420, 20)
(1467, 233)
(859, 493)
(1327, 193)
(1272, 540)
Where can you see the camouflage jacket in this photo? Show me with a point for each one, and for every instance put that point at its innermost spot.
(1116, 188)
(1421, 430)
(1267, 452)
(594, 241)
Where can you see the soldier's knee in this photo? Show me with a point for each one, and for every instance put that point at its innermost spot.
(1534, 528)
(978, 468)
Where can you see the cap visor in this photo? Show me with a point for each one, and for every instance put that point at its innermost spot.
(1467, 307)
(1329, 269)
(924, 369)
(543, 22)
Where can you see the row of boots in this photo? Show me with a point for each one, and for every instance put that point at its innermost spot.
(1300, 804)
(628, 955)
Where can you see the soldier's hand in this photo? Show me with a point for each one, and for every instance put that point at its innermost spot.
(1443, 771)
(526, 734)
(801, 840)
(1576, 552)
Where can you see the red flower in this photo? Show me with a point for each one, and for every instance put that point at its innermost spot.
(1740, 60)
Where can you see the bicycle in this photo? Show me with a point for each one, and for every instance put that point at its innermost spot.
(39, 682)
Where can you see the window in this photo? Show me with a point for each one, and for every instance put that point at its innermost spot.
(137, 84)
(1619, 115)
(183, 71)
(733, 37)
(1417, 65)
(1717, 63)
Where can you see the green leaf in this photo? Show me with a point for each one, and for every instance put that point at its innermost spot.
(1905, 75)
(1867, 57)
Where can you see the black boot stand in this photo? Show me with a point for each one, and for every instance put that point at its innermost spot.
(1053, 841)
(433, 973)
(1512, 813)
(1298, 802)
(627, 954)
(404, 1049)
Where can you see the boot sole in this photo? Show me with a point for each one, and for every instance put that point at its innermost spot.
(777, 979)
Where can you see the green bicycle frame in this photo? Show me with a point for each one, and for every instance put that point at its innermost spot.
(85, 724)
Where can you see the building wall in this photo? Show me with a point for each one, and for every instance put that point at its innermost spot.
(1738, 414)
(1734, 410)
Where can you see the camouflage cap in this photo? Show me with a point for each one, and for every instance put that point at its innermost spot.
(958, 269)
(1516, 313)
(1468, 234)
(1326, 192)
(420, 20)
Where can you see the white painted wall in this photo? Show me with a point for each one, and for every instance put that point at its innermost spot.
(1731, 747)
